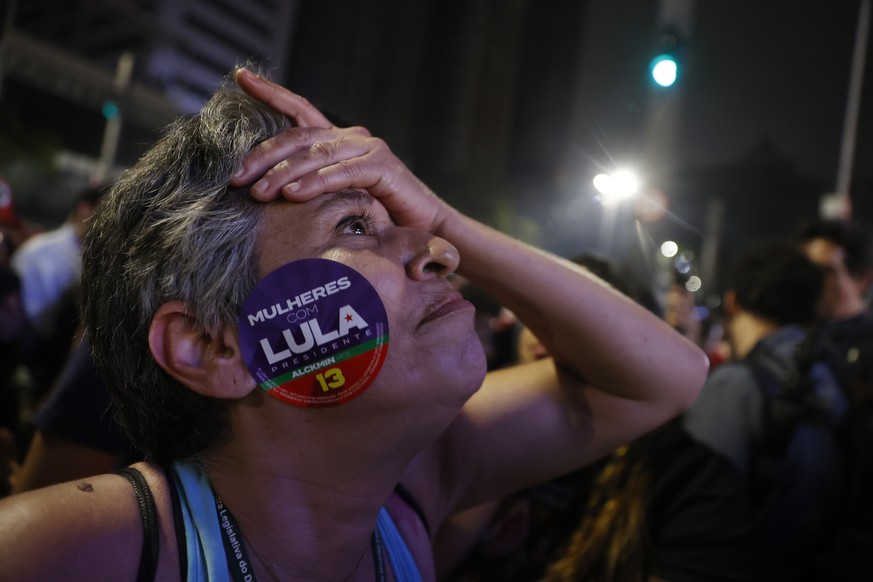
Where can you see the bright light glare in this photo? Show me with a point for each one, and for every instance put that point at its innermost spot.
(669, 249)
(616, 187)
(625, 183)
(603, 183)
(693, 284)
(664, 71)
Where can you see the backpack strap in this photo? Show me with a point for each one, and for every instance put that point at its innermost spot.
(148, 561)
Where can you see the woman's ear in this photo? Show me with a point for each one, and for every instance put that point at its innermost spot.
(209, 364)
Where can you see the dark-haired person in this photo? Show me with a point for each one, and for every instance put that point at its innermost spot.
(303, 378)
(844, 249)
(662, 507)
(771, 302)
(49, 265)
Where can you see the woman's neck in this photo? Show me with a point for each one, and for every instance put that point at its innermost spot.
(303, 515)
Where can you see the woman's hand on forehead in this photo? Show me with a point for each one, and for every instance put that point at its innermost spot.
(304, 162)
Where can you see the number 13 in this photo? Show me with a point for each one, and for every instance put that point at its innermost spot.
(331, 379)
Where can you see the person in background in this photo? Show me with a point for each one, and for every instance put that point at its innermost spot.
(14, 332)
(351, 490)
(17, 337)
(844, 249)
(495, 325)
(680, 310)
(13, 329)
(73, 434)
(75, 431)
(50, 263)
(662, 507)
(49, 266)
(11, 225)
(790, 463)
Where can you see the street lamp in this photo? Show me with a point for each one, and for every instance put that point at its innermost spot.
(615, 187)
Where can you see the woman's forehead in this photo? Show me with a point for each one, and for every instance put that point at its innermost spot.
(331, 200)
(324, 205)
(296, 230)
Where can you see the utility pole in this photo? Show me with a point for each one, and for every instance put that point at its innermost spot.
(664, 105)
(112, 112)
(665, 101)
(839, 203)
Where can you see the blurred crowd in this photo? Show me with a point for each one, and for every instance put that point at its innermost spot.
(766, 477)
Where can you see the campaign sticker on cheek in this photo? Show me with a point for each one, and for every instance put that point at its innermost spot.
(314, 333)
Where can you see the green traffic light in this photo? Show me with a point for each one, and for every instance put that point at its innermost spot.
(665, 70)
(109, 109)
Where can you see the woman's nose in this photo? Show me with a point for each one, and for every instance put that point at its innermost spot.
(428, 255)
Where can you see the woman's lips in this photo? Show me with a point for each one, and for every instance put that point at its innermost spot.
(451, 303)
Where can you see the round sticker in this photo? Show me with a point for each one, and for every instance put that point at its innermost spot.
(314, 333)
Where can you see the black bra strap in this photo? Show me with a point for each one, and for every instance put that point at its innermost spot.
(179, 525)
(404, 494)
(148, 561)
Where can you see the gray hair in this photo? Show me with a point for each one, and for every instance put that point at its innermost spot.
(172, 229)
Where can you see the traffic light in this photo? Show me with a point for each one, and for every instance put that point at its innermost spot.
(665, 70)
(666, 67)
(109, 109)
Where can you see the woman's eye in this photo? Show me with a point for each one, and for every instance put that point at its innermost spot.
(355, 225)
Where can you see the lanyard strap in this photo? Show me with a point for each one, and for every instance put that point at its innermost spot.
(238, 559)
(234, 549)
(378, 560)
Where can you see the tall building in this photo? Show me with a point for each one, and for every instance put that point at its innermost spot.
(90, 83)
(203, 39)
(180, 48)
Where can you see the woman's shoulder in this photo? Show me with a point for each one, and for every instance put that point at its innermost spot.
(76, 529)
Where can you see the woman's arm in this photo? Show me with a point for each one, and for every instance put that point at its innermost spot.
(617, 370)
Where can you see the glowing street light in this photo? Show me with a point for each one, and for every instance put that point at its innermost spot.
(616, 187)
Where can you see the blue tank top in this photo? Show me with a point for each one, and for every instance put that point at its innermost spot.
(205, 541)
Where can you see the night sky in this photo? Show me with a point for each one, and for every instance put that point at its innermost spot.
(760, 115)
(772, 71)
(755, 71)
(760, 105)
(760, 109)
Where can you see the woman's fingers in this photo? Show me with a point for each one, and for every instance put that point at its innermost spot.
(295, 152)
(271, 152)
(306, 154)
(267, 155)
(281, 100)
(316, 157)
(385, 177)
